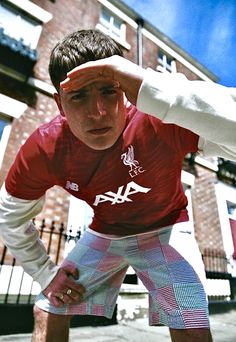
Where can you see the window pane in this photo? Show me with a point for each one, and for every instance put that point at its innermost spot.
(19, 26)
(165, 61)
(117, 23)
(111, 22)
(105, 16)
(160, 55)
(3, 123)
(231, 208)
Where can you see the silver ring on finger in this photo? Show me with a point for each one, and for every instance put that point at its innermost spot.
(68, 291)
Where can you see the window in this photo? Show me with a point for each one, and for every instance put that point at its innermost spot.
(111, 24)
(19, 26)
(226, 202)
(3, 123)
(231, 209)
(5, 128)
(166, 63)
(9, 109)
(227, 171)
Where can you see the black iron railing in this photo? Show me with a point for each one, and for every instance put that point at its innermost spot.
(15, 285)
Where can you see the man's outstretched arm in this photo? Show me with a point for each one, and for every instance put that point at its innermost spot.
(205, 108)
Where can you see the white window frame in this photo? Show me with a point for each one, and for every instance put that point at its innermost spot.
(163, 64)
(32, 9)
(9, 108)
(19, 27)
(109, 28)
(28, 22)
(224, 194)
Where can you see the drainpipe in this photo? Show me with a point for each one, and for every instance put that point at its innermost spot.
(140, 23)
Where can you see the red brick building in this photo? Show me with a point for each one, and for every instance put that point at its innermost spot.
(28, 32)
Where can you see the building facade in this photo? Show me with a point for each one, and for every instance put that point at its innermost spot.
(28, 32)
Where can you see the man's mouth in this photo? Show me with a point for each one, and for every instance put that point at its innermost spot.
(99, 131)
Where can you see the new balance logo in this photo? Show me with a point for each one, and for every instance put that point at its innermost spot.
(72, 186)
(122, 195)
(128, 159)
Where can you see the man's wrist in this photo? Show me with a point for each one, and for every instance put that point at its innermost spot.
(46, 275)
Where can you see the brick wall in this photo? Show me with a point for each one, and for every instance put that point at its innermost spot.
(205, 210)
(184, 70)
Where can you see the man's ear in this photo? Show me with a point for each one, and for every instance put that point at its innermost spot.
(58, 102)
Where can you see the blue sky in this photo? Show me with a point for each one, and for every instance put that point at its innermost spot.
(206, 29)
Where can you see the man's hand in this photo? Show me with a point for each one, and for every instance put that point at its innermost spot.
(62, 289)
(124, 73)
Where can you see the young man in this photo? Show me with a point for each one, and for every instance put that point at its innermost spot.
(118, 144)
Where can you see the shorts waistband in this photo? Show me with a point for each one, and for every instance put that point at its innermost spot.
(185, 227)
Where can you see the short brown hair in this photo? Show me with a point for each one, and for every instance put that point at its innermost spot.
(78, 48)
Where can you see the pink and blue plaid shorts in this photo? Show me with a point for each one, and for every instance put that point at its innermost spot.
(168, 263)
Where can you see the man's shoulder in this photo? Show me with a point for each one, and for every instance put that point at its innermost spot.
(141, 119)
(54, 128)
(49, 136)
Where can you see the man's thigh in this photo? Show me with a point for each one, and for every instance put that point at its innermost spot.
(176, 293)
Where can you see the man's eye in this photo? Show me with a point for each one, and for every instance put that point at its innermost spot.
(78, 96)
(109, 91)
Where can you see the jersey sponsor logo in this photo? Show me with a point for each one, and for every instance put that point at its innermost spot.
(72, 186)
(128, 159)
(122, 194)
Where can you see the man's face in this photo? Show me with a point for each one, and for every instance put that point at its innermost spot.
(96, 114)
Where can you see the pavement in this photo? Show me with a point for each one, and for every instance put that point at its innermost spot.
(223, 327)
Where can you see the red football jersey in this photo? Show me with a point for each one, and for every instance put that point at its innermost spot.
(134, 186)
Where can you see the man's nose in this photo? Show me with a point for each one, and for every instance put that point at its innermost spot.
(97, 106)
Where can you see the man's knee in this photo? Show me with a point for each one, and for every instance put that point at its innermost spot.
(49, 326)
(40, 314)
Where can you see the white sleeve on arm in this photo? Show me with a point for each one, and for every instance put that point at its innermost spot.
(210, 149)
(206, 108)
(21, 237)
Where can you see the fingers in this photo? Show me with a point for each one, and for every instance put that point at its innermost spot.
(77, 289)
(68, 297)
(65, 297)
(70, 269)
(83, 77)
(63, 289)
(98, 67)
(93, 71)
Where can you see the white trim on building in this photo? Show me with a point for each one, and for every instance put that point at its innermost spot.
(119, 13)
(11, 107)
(32, 9)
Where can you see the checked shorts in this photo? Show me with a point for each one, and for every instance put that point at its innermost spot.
(168, 263)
